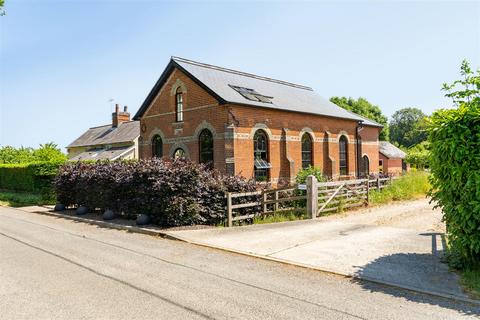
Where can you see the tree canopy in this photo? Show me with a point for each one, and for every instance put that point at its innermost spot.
(366, 109)
(46, 152)
(408, 127)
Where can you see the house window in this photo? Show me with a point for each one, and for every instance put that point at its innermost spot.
(179, 153)
(205, 143)
(343, 150)
(179, 105)
(306, 150)
(157, 146)
(380, 166)
(260, 155)
(366, 166)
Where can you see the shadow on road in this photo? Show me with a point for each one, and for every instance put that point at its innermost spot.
(417, 271)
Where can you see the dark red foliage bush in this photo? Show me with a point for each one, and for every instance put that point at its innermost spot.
(173, 193)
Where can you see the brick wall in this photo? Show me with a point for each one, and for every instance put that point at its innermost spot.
(201, 111)
(234, 126)
(325, 133)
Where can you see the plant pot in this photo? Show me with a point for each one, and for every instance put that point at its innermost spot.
(59, 207)
(143, 219)
(82, 210)
(108, 215)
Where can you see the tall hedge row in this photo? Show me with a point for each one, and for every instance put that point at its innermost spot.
(173, 193)
(34, 177)
(455, 166)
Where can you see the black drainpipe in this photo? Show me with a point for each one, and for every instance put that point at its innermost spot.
(359, 148)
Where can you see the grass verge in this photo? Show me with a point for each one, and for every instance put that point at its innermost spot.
(470, 280)
(22, 199)
(282, 216)
(413, 185)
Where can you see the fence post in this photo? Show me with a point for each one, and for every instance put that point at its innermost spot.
(276, 199)
(264, 199)
(368, 191)
(378, 183)
(312, 196)
(229, 209)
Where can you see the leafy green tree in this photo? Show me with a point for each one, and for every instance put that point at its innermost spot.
(418, 155)
(2, 11)
(366, 109)
(46, 152)
(49, 152)
(454, 136)
(408, 127)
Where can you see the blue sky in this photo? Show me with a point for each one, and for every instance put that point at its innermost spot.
(61, 61)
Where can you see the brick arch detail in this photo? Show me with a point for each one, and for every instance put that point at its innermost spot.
(343, 133)
(309, 131)
(178, 84)
(263, 127)
(152, 134)
(205, 125)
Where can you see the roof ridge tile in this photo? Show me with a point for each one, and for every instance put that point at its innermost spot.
(246, 74)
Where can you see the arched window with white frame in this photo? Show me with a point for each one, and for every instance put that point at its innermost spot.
(179, 105)
(261, 156)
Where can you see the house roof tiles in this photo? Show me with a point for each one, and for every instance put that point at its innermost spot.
(282, 95)
(105, 135)
(390, 151)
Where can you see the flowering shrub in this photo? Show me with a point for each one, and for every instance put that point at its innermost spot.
(173, 193)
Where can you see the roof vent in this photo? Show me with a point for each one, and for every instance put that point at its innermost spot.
(251, 94)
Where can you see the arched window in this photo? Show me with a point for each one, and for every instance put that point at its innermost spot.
(306, 150)
(157, 146)
(179, 105)
(260, 155)
(343, 155)
(366, 166)
(205, 143)
(179, 153)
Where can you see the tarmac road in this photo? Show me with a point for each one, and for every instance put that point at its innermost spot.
(53, 268)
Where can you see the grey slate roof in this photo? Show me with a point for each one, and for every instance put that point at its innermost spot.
(104, 154)
(125, 132)
(390, 151)
(286, 96)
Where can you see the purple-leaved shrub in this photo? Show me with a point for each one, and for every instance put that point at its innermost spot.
(173, 193)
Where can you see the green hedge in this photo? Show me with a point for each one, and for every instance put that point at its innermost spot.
(455, 166)
(36, 177)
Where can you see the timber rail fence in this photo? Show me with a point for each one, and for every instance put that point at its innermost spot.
(316, 197)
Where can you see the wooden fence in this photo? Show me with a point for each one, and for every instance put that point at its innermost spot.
(316, 197)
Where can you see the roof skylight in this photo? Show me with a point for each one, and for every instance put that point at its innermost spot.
(251, 94)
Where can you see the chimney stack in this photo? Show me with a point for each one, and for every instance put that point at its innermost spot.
(119, 117)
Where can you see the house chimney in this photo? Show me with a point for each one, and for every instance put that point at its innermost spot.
(119, 117)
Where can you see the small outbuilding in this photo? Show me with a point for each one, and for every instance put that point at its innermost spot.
(391, 159)
(118, 140)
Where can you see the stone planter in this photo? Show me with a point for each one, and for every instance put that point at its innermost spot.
(59, 207)
(82, 210)
(143, 219)
(108, 215)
